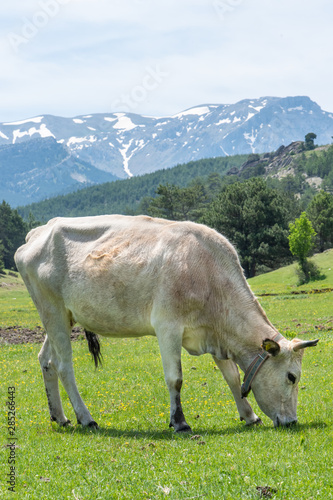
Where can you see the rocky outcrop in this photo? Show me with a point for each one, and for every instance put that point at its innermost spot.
(284, 156)
(269, 163)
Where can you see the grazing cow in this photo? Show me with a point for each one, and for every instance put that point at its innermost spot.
(182, 282)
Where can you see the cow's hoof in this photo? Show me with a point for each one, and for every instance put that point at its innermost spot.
(256, 422)
(62, 424)
(183, 428)
(93, 425)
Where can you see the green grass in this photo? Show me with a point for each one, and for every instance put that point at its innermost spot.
(16, 306)
(135, 455)
(294, 313)
(284, 280)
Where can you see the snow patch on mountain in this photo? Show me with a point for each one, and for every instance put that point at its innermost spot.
(200, 110)
(251, 138)
(249, 116)
(37, 119)
(76, 176)
(124, 122)
(75, 140)
(257, 108)
(43, 131)
(126, 158)
(225, 120)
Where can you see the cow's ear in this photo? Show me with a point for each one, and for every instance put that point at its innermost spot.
(271, 347)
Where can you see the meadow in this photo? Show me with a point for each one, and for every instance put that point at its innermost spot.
(134, 455)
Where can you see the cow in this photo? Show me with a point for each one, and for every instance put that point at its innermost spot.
(131, 276)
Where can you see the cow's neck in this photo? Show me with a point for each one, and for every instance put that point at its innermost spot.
(246, 334)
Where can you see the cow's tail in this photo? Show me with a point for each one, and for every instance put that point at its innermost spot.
(94, 347)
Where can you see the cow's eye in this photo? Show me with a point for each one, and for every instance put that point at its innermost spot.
(292, 378)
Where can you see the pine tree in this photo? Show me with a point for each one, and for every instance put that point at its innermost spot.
(320, 212)
(177, 203)
(255, 219)
(12, 233)
(2, 251)
(309, 141)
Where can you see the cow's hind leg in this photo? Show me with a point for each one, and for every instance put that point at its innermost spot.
(230, 372)
(50, 375)
(170, 342)
(58, 332)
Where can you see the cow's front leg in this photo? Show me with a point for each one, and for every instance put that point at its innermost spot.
(230, 372)
(177, 418)
(170, 346)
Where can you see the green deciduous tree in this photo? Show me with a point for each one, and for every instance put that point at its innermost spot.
(255, 219)
(301, 242)
(301, 237)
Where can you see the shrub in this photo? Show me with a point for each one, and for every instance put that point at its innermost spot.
(308, 271)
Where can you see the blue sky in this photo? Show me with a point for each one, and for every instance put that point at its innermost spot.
(73, 57)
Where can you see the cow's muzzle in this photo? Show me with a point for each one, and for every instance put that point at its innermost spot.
(280, 423)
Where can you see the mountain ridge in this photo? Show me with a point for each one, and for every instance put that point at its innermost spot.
(43, 168)
(123, 145)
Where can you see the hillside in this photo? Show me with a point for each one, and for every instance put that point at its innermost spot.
(284, 280)
(124, 196)
(290, 168)
(123, 145)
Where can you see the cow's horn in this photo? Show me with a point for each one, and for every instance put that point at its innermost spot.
(306, 343)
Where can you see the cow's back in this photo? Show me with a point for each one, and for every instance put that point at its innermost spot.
(111, 271)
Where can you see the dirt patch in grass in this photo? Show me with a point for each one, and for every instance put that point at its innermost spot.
(297, 292)
(19, 335)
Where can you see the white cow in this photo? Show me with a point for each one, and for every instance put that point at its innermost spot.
(120, 276)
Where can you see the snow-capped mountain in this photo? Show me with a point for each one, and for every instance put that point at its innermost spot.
(41, 168)
(127, 144)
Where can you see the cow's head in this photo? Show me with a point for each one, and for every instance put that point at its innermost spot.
(275, 385)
